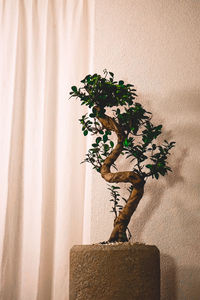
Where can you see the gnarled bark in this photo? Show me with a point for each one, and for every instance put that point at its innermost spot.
(121, 222)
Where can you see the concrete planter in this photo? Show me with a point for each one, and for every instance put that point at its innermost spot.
(114, 272)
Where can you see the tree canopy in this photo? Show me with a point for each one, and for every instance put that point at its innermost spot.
(100, 93)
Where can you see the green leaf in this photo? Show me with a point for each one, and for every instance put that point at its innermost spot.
(121, 82)
(74, 88)
(125, 142)
(157, 175)
(169, 169)
(108, 132)
(98, 140)
(115, 187)
(111, 74)
(162, 172)
(106, 147)
(149, 166)
(88, 77)
(85, 132)
(111, 144)
(95, 150)
(118, 111)
(160, 165)
(92, 115)
(105, 138)
(145, 140)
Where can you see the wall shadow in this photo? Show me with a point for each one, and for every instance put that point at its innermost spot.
(177, 282)
(168, 277)
(189, 285)
(156, 191)
(184, 116)
(181, 282)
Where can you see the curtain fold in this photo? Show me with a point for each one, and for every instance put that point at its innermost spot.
(46, 46)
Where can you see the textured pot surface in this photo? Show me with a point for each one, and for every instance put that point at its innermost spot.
(121, 271)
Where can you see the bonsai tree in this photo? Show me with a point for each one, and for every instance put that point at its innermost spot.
(114, 111)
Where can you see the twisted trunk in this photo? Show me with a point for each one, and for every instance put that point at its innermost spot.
(121, 222)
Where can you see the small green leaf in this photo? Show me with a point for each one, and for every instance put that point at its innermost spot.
(95, 150)
(149, 166)
(92, 115)
(108, 132)
(105, 138)
(159, 127)
(116, 187)
(98, 140)
(157, 175)
(74, 88)
(162, 172)
(106, 147)
(111, 144)
(160, 165)
(145, 140)
(85, 132)
(118, 111)
(125, 142)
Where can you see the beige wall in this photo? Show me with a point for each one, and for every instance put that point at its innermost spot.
(155, 44)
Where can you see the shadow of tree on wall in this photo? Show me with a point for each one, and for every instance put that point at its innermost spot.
(156, 190)
(189, 283)
(189, 103)
(178, 282)
(168, 277)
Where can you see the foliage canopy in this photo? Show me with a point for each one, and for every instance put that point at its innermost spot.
(148, 158)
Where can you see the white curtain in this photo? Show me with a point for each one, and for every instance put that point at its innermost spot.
(46, 47)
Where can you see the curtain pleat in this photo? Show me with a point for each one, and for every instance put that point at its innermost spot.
(46, 48)
(11, 252)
